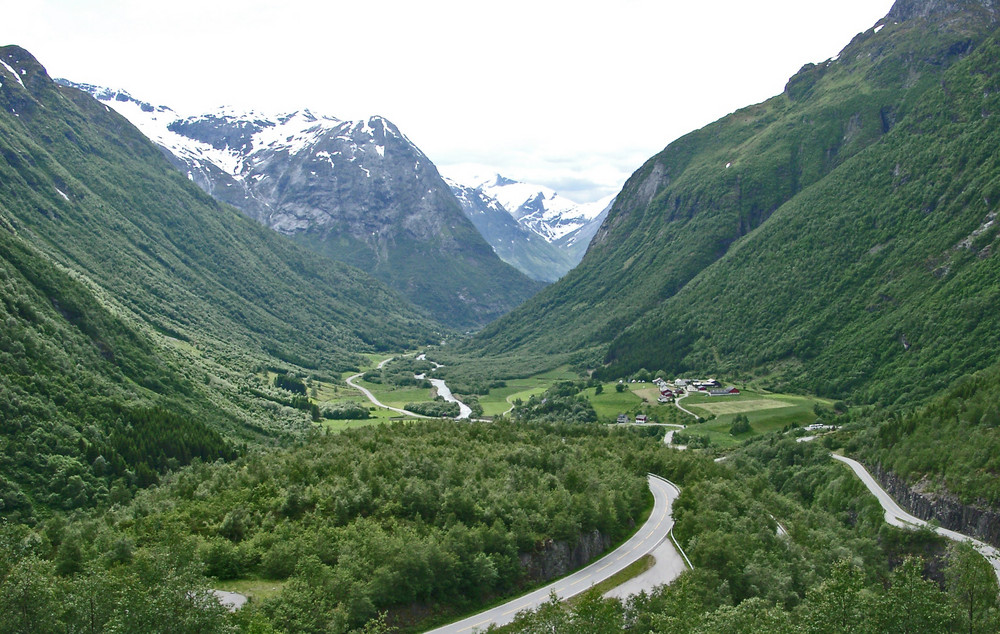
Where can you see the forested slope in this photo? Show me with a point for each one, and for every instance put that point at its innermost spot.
(418, 519)
(880, 282)
(743, 181)
(139, 313)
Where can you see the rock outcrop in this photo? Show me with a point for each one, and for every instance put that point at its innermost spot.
(949, 512)
(556, 558)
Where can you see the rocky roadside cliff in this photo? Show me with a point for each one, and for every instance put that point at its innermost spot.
(557, 558)
(983, 524)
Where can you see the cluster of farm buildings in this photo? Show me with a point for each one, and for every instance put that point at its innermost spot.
(710, 387)
(681, 387)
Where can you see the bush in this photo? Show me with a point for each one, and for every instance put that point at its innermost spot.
(741, 425)
(346, 411)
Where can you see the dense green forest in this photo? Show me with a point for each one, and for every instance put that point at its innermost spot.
(409, 520)
(839, 569)
(425, 516)
(952, 444)
(91, 408)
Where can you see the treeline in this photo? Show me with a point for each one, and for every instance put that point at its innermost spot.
(402, 372)
(437, 409)
(562, 402)
(375, 519)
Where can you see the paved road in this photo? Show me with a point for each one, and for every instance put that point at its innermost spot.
(371, 397)
(646, 539)
(669, 565)
(677, 402)
(896, 516)
(232, 601)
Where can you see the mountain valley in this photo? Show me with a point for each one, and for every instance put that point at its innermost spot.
(214, 327)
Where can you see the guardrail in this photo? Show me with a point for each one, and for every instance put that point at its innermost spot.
(670, 533)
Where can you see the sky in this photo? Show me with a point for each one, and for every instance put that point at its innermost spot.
(573, 95)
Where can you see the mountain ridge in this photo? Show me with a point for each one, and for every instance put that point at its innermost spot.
(356, 191)
(713, 188)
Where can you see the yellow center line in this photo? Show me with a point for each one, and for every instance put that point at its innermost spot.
(512, 611)
(472, 627)
(580, 581)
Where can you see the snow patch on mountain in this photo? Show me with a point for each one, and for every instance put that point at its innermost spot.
(536, 207)
(13, 72)
(185, 135)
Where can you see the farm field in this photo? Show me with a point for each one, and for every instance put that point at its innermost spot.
(766, 412)
(611, 403)
(499, 399)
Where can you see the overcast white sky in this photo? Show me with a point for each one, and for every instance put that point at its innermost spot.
(574, 95)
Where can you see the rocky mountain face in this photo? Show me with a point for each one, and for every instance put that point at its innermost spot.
(565, 227)
(829, 239)
(357, 191)
(545, 212)
(985, 10)
(529, 252)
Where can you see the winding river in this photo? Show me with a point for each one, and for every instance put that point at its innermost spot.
(464, 411)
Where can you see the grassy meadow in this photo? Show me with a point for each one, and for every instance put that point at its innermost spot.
(767, 413)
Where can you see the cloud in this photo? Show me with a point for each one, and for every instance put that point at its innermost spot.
(552, 92)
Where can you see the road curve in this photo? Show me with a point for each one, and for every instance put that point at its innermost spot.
(645, 540)
(896, 516)
(371, 397)
(677, 402)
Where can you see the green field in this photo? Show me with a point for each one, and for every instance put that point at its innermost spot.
(611, 403)
(499, 399)
(767, 413)
(331, 394)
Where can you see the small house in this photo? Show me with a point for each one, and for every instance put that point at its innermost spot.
(622, 419)
(641, 419)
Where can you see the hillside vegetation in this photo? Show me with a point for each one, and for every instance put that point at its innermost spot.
(138, 313)
(788, 239)
(893, 313)
(430, 515)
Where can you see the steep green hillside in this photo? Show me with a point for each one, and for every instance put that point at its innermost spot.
(880, 281)
(951, 446)
(85, 186)
(89, 407)
(686, 207)
(138, 313)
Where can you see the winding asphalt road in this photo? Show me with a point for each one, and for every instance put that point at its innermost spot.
(464, 410)
(371, 397)
(646, 540)
(677, 402)
(896, 516)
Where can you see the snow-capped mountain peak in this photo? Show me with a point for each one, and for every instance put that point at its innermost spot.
(358, 191)
(538, 208)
